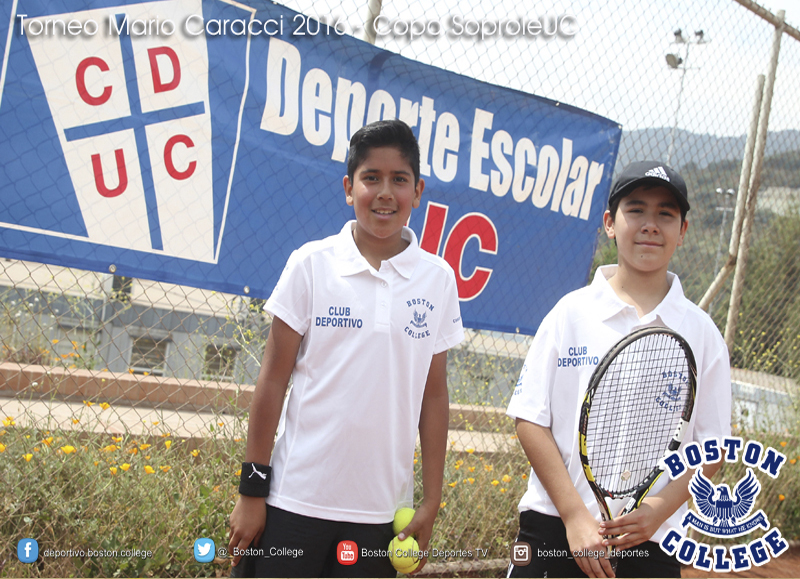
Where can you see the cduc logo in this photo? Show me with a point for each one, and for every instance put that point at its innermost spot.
(133, 116)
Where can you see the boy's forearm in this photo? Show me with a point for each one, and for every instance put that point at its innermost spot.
(433, 426)
(543, 454)
(672, 496)
(277, 364)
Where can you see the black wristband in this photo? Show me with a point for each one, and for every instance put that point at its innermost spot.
(254, 481)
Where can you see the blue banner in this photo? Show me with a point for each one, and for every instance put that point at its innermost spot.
(199, 142)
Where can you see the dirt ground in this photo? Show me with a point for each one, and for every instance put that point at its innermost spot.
(786, 565)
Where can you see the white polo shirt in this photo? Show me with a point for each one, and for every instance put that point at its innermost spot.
(569, 344)
(345, 449)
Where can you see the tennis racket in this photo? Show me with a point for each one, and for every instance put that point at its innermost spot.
(636, 410)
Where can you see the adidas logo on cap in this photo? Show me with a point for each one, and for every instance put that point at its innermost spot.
(657, 172)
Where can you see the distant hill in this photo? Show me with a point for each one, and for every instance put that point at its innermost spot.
(691, 148)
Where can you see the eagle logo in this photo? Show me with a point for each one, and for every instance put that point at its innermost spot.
(673, 391)
(724, 511)
(419, 320)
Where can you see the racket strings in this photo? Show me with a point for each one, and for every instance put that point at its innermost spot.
(635, 411)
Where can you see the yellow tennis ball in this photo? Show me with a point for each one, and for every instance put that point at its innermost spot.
(401, 519)
(404, 554)
(409, 570)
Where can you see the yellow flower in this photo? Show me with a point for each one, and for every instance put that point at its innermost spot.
(149, 469)
(133, 450)
(2, 447)
(113, 469)
(416, 461)
(147, 373)
(130, 370)
(495, 482)
(167, 443)
(125, 466)
(238, 472)
(54, 341)
(223, 424)
(442, 505)
(9, 421)
(68, 449)
(88, 403)
(452, 484)
(502, 490)
(2, 432)
(96, 462)
(104, 405)
(792, 460)
(109, 448)
(488, 468)
(783, 443)
(144, 446)
(472, 469)
(506, 478)
(471, 480)
(458, 466)
(116, 438)
(215, 489)
(48, 441)
(155, 422)
(147, 457)
(165, 468)
(27, 457)
(781, 497)
(469, 450)
(35, 449)
(195, 453)
(76, 420)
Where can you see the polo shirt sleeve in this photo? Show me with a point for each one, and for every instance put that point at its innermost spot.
(713, 404)
(533, 392)
(451, 331)
(291, 298)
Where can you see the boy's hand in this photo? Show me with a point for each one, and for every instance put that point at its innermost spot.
(583, 538)
(248, 519)
(421, 526)
(635, 528)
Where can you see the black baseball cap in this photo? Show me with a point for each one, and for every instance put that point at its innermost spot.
(654, 173)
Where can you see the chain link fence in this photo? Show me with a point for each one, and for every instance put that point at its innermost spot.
(124, 401)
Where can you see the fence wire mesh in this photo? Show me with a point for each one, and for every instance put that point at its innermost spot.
(124, 401)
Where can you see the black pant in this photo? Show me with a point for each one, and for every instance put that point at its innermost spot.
(297, 546)
(550, 553)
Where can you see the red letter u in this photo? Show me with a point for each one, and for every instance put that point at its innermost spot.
(122, 173)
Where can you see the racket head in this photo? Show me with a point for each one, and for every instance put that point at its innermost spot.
(638, 403)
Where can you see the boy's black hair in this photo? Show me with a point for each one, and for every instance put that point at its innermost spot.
(392, 133)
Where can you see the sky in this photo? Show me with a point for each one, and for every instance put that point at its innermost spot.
(614, 65)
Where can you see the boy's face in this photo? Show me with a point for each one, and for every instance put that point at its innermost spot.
(647, 228)
(382, 193)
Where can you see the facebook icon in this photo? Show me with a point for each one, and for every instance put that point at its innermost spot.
(27, 550)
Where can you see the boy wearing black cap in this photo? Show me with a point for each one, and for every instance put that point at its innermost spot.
(559, 516)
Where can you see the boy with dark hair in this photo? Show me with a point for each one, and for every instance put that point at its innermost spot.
(362, 324)
(559, 516)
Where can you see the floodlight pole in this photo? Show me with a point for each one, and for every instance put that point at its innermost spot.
(676, 62)
(373, 11)
(678, 107)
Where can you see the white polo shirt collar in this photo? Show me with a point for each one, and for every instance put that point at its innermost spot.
(351, 262)
(670, 311)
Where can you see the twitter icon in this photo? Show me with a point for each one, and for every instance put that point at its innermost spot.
(204, 550)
